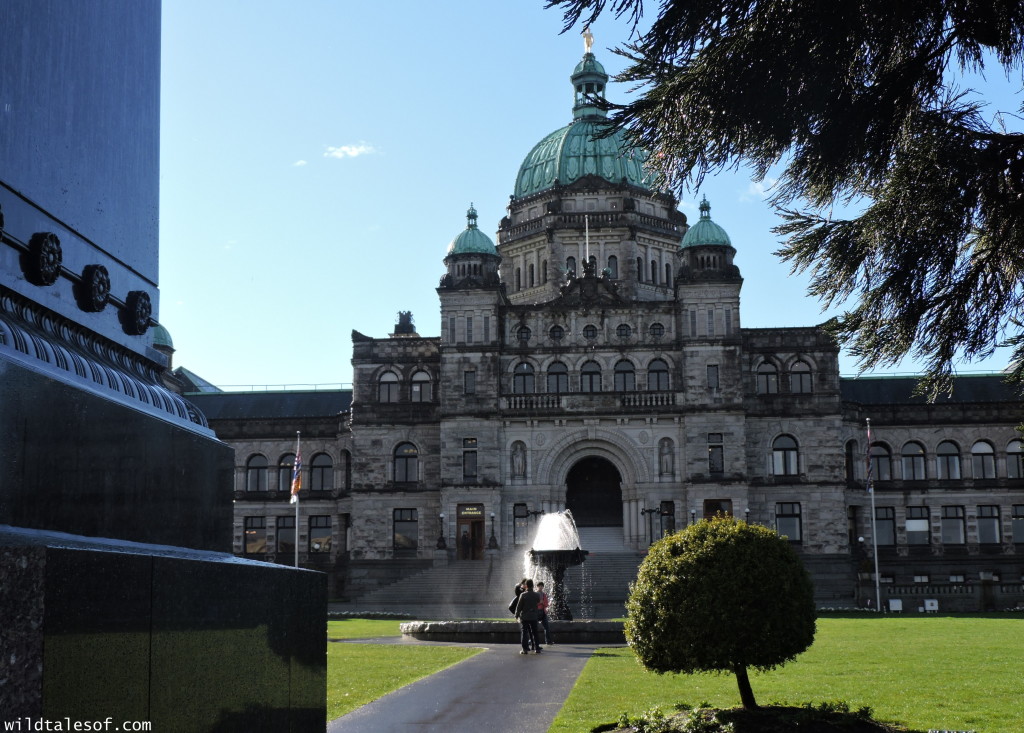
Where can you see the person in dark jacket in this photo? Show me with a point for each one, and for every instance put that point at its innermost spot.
(528, 613)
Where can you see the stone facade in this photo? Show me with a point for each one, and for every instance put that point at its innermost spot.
(595, 360)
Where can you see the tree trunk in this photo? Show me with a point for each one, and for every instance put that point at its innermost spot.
(746, 693)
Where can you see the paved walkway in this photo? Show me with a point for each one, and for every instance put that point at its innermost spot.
(496, 691)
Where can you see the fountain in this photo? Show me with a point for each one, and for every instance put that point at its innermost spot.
(556, 548)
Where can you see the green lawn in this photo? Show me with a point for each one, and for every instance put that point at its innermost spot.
(925, 672)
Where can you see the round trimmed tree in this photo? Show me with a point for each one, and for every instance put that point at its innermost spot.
(721, 596)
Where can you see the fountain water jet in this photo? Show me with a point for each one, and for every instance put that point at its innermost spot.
(556, 548)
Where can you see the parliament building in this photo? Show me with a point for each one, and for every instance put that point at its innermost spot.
(593, 357)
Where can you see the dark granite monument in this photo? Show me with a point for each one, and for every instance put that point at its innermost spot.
(119, 597)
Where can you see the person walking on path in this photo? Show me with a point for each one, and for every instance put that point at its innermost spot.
(543, 608)
(528, 613)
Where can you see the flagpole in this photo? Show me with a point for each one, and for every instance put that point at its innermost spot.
(296, 487)
(586, 256)
(874, 533)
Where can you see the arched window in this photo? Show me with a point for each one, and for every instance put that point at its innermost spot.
(668, 274)
(544, 271)
(785, 456)
(406, 463)
(346, 466)
(558, 378)
(557, 333)
(656, 330)
(657, 375)
(387, 387)
(421, 391)
(613, 267)
(590, 377)
(640, 269)
(654, 272)
(850, 454)
(1015, 459)
(625, 376)
(531, 275)
(256, 473)
(519, 278)
(570, 266)
(983, 460)
(913, 462)
(285, 468)
(947, 460)
(881, 463)
(767, 379)
(321, 473)
(522, 379)
(800, 378)
(623, 331)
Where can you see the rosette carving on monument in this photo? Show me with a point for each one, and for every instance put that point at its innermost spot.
(42, 262)
(94, 290)
(137, 310)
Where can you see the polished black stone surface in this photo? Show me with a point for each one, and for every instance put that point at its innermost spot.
(85, 464)
(190, 641)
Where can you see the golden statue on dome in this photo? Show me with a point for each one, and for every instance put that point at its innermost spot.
(588, 40)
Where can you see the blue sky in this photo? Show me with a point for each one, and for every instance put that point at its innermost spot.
(317, 157)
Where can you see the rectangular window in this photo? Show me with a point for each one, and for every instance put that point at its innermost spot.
(920, 578)
(988, 525)
(953, 525)
(668, 518)
(487, 329)
(787, 520)
(319, 534)
(885, 525)
(716, 453)
(711, 322)
(469, 458)
(1017, 522)
(728, 321)
(469, 329)
(713, 377)
(406, 532)
(956, 579)
(255, 535)
(520, 524)
(693, 323)
(918, 528)
(286, 534)
(469, 382)
(451, 330)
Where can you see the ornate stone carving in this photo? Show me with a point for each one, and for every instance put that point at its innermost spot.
(95, 288)
(43, 259)
(137, 310)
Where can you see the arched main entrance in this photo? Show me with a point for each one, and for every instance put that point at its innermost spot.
(593, 493)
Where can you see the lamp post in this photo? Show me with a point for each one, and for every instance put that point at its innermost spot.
(492, 544)
(693, 516)
(746, 515)
(441, 544)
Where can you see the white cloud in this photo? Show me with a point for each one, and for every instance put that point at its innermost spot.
(349, 151)
(759, 189)
(299, 163)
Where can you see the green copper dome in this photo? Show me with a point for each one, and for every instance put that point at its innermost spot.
(162, 337)
(472, 240)
(705, 231)
(572, 152)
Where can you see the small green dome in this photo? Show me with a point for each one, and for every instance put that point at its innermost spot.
(471, 240)
(575, 150)
(162, 337)
(705, 232)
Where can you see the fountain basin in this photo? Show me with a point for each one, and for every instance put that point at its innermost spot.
(508, 632)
